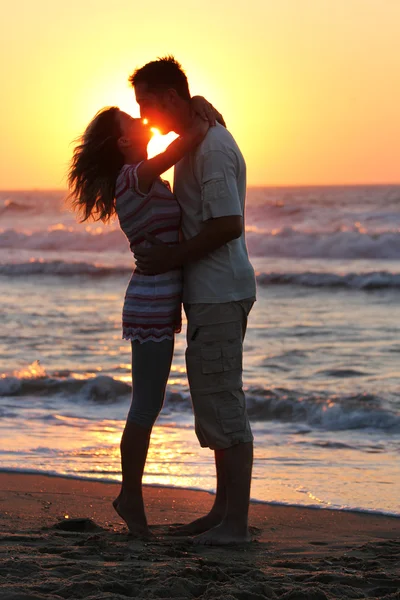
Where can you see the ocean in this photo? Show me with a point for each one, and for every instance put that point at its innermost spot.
(322, 351)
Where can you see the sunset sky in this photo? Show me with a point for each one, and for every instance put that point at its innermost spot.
(309, 88)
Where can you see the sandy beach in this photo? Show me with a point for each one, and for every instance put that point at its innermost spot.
(296, 553)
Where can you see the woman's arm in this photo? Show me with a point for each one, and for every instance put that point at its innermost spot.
(206, 116)
(206, 111)
(152, 168)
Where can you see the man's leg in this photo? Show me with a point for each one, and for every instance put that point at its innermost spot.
(227, 521)
(228, 516)
(217, 512)
(236, 464)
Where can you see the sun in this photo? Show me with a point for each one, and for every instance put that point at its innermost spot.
(158, 142)
(125, 101)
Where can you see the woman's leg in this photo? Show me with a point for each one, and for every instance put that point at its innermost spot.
(151, 364)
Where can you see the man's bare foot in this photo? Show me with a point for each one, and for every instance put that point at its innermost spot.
(198, 526)
(116, 501)
(133, 515)
(223, 535)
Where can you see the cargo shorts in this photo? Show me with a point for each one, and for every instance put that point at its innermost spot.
(214, 359)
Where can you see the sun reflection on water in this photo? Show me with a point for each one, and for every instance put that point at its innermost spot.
(33, 371)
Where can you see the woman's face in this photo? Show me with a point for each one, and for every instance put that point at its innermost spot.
(133, 131)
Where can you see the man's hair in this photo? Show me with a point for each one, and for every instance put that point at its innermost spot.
(162, 74)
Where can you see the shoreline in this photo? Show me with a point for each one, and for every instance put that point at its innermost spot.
(23, 497)
(361, 511)
(297, 553)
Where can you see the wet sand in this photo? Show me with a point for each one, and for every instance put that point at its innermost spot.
(297, 553)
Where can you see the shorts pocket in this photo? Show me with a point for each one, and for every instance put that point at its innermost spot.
(232, 357)
(211, 360)
(232, 417)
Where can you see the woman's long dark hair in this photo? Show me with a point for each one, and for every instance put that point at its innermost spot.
(94, 167)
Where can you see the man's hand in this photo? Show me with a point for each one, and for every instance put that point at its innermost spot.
(160, 258)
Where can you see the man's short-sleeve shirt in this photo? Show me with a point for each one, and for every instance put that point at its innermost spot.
(210, 182)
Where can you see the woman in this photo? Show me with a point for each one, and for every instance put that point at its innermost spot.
(111, 174)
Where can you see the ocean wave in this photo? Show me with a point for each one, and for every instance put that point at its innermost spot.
(64, 239)
(102, 388)
(323, 410)
(12, 206)
(286, 242)
(62, 268)
(359, 281)
(289, 243)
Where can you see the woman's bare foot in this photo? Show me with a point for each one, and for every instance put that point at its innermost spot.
(198, 526)
(223, 535)
(131, 510)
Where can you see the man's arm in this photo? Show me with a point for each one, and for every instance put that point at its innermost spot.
(215, 233)
(222, 219)
(162, 258)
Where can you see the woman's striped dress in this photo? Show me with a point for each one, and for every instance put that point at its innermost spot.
(152, 307)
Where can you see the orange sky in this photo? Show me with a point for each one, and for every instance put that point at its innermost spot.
(309, 88)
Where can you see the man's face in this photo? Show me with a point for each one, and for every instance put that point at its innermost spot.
(156, 108)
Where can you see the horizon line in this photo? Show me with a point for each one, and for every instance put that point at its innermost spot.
(265, 185)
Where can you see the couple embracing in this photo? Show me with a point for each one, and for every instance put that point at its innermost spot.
(189, 247)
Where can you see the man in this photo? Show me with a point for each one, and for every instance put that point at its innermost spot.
(219, 291)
